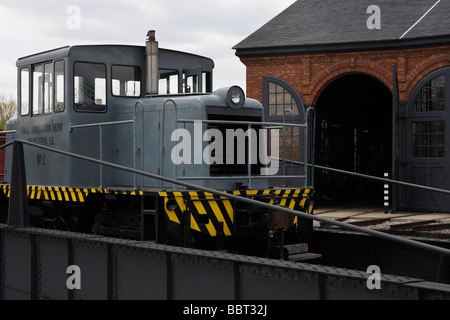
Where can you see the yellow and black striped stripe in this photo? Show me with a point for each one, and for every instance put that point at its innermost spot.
(64, 193)
(210, 214)
(207, 211)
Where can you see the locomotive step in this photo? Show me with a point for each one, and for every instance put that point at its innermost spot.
(304, 256)
(296, 248)
(117, 232)
(297, 252)
(149, 212)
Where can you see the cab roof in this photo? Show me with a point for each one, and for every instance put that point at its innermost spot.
(168, 57)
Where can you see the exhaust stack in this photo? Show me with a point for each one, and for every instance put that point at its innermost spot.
(152, 65)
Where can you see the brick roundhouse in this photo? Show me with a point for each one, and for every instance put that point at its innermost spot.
(378, 76)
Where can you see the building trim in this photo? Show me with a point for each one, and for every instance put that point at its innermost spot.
(343, 47)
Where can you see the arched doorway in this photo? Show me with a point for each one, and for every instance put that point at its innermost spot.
(353, 133)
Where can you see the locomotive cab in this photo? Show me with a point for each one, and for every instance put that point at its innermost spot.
(81, 85)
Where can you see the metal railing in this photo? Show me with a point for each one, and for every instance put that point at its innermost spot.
(100, 126)
(374, 178)
(305, 127)
(162, 149)
(18, 191)
(136, 150)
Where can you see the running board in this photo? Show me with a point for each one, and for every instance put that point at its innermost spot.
(298, 252)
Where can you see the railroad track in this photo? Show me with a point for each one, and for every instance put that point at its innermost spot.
(434, 225)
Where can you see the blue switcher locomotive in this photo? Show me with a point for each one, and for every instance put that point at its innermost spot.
(154, 110)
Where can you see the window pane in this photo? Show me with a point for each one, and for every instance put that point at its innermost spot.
(204, 82)
(168, 84)
(272, 87)
(126, 81)
(416, 140)
(24, 91)
(272, 110)
(281, 100)
(100, 91)
(48, 88)
(89, 87)
(431, 97)
(428, 139)
(438, 82)
(59, 86)
(192, 84)
(37, 89)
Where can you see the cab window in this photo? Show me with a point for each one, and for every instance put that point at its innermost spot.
(168, 82)
(45, 88)
(126, 81)
(89, 87)
(24, 91)
(42, 88)
(59, 86)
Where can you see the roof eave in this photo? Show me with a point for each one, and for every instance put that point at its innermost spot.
(398, 44)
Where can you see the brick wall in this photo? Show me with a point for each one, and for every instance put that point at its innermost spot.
(310, 74)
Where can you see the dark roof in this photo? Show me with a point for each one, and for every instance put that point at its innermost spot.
(322, 25)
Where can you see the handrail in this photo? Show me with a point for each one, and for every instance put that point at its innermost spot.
(311, 118)
(268, 126)
(245, 122)
(300, 214)
(8, 131)
(97, 124)
(365, 176)
(100, 128)
(162, 148)
(284, 143)
(135, 142)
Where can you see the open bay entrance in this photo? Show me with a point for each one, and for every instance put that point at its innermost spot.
(353, 133)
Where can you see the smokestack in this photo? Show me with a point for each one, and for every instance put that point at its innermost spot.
(152, 65)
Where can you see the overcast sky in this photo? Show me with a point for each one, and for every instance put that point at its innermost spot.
(205, 27)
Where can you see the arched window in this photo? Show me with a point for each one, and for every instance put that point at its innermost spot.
(428, 135)
(432, 96)
(283, 104)
(281, 101)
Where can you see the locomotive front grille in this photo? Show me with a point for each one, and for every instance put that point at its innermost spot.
(239, 164)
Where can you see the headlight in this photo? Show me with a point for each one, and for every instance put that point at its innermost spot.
(171, 205)
(234, 96)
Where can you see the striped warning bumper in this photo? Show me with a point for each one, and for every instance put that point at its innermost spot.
(210, 214)
(64, 193)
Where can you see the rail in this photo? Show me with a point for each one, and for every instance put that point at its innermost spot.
(100, 126)
(8, 131)
(136, 150)
(162, 136)
(18, 189)
(380, 179)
